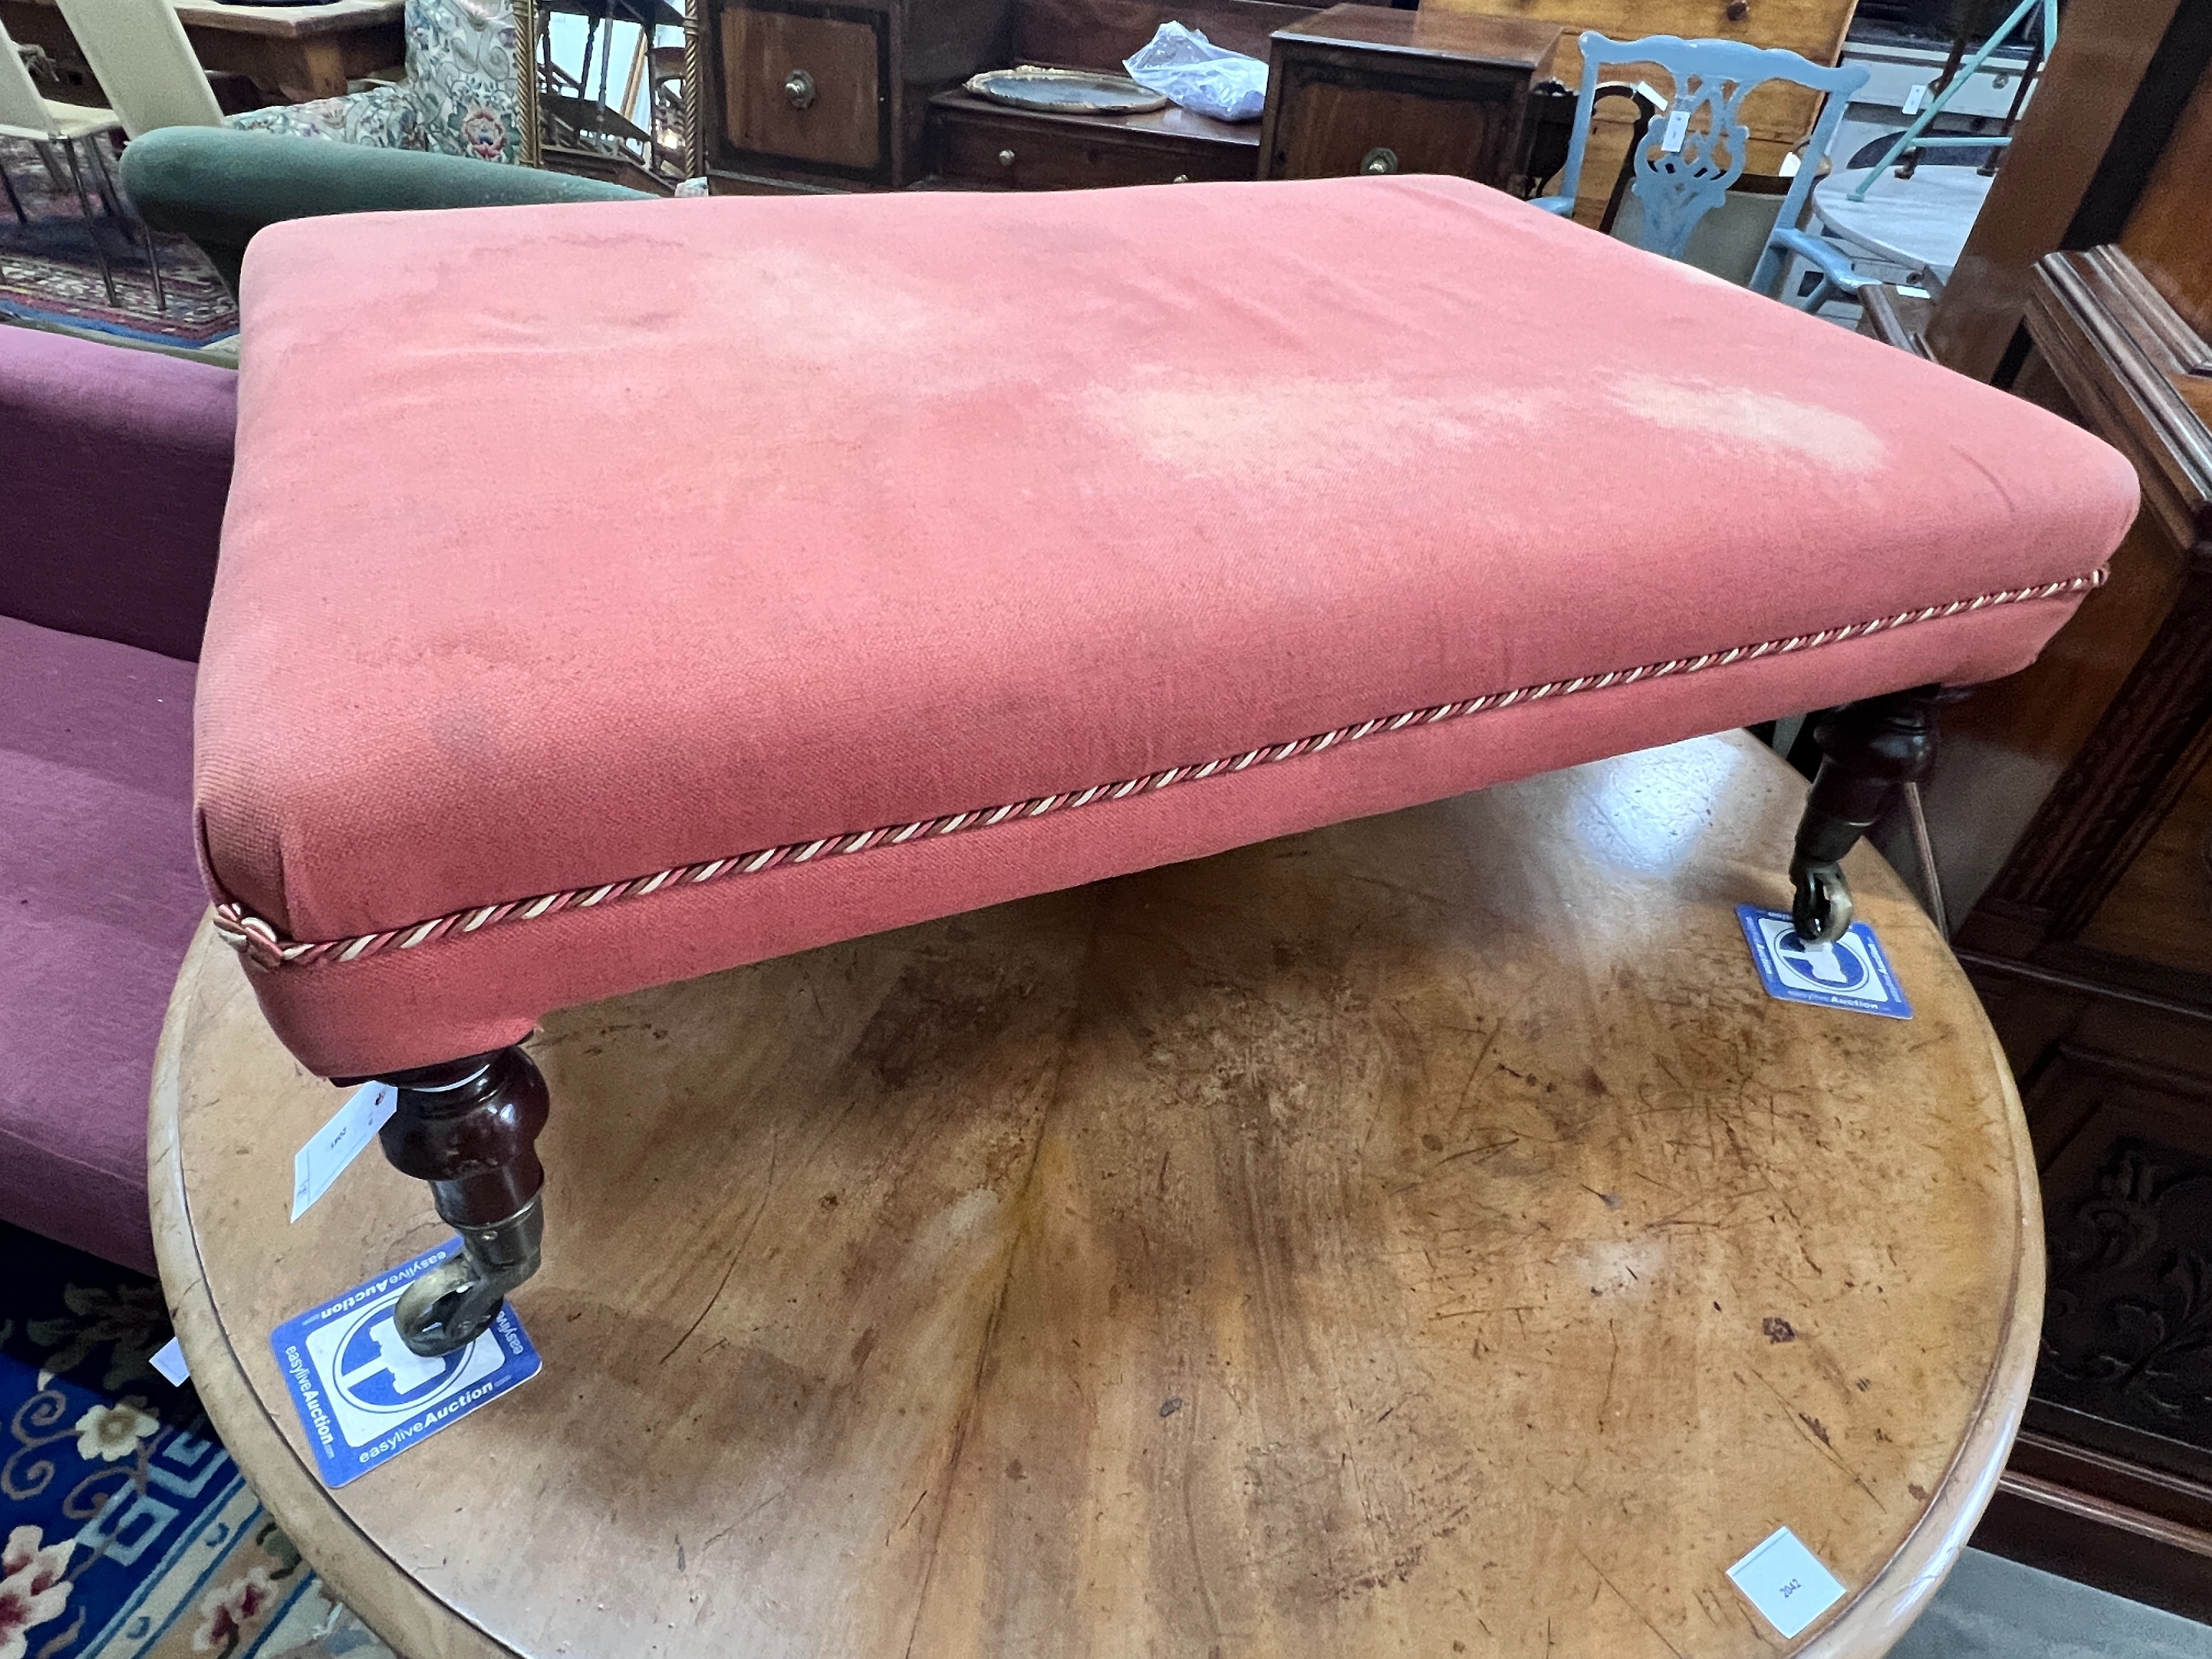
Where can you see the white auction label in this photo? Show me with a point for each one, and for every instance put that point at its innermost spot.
(1678, 128)
(1786, 1583)
(169, 1360)
(1915, 98)
(339, 1142)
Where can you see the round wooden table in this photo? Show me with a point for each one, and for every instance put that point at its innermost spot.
(1419, 1237)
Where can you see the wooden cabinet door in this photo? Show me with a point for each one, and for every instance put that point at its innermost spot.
(1333, 118)
(805, 86)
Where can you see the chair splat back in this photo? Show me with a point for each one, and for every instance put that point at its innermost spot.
(1695, 151)
(145, 63)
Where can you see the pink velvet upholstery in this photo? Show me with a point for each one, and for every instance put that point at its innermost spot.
(572, 546)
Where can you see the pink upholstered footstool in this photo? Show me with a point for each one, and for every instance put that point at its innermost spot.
(611, 594)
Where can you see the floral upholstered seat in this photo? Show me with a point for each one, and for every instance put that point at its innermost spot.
(462, 96)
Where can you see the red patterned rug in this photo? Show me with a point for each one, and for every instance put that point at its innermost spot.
(49, 274)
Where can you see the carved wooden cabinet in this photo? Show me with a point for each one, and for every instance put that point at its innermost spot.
(2091, 940)
(2071, 816)
(1363, 88)
(799, 94)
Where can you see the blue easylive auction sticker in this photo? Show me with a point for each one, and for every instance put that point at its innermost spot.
(1852, 973)
(365, 1396)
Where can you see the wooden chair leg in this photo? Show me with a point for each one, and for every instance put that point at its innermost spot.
(1869, 750)
(469, 1128)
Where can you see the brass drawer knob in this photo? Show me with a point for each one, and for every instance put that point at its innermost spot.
(799, 87)
(1381, 159)
(1005, 158)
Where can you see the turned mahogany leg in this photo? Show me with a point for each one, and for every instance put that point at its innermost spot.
(468, 1127)
(1869, 750)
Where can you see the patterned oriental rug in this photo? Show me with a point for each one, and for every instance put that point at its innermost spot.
(126, 1532)
(48, 274)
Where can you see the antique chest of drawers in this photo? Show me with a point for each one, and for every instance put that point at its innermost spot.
(800, 93)
(1361, 88)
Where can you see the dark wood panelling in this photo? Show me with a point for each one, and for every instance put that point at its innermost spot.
(2127, 1198)
(2160, 909)
(2072, 803)
(2108, 1481)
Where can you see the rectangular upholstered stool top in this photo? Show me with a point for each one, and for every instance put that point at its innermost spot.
(613, 593)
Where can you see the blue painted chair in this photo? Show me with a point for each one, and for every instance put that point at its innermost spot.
(1695, 149)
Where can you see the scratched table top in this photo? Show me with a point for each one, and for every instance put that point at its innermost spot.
(1419, 1237)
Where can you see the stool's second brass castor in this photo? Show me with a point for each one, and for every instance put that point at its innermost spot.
(1869, 750)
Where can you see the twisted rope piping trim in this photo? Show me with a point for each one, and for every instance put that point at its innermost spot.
(259, 941)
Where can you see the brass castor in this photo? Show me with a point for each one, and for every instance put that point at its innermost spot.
(454, 1304)
(469, 1127)
(1869, 750)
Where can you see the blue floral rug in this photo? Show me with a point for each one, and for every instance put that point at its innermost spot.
(126, 1532)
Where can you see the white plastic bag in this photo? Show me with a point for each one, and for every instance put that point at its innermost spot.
(1188, 69)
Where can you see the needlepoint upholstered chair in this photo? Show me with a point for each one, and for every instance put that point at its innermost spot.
(462, 95)
(996, 543)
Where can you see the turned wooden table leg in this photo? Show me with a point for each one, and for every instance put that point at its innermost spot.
(469, 1128)
(1869, 750)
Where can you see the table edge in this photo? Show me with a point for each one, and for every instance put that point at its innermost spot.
(1873, 1621)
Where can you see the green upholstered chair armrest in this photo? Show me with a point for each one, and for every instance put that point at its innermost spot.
(219, 186)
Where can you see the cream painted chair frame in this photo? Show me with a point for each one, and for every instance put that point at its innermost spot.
(146, 66)
(28, 114)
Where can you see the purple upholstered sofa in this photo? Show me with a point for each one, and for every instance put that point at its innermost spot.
(113, 468)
